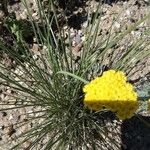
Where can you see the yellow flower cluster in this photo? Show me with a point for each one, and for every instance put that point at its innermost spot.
(111, 91)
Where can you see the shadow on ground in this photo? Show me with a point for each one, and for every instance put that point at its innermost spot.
(136, 133)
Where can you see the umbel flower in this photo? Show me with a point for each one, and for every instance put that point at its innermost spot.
(111, 91)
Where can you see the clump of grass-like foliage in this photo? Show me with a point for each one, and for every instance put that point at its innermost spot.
(45, 84)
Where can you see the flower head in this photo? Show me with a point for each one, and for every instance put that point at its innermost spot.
(113, 92)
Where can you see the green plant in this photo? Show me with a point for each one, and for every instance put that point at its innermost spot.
(62, 116)
(21, 29)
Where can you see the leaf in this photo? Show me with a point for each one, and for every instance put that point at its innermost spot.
(72, 75)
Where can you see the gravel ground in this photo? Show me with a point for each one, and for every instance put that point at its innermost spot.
(131, 134)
